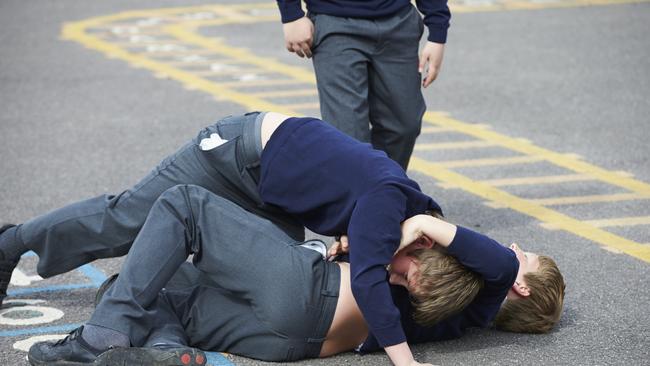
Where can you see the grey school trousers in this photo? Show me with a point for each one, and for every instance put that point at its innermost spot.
(105, 226)
(367, 75)
(258, 293)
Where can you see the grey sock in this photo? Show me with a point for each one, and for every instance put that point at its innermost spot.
(103, 338)
(10, 246)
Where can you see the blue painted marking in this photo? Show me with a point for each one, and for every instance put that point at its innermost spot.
(94, 274)
(217, 359)
(32, 290)
(42, 330)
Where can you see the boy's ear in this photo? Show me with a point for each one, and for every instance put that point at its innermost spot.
(521, 288)
(423, 243)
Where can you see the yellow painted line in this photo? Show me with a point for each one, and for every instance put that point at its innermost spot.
(547, 179)
(206, 62)
(575, 200)
(261, 82)
(298, 106)
(76, 31)
(484, 6)
(241, 54)
(435, 129)
(227, 91)
(453, 145)
(615, 222)
(490, 161)
(286, 93)
(559, 159)
(533, 5)
(228, 71)
(529, 208)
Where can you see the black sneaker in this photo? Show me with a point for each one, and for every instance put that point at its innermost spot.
(104, 287)
(69, 351)
(7, 267)
(152, 356)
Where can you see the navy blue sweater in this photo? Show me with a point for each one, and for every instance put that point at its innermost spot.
(335, 185)
(436, 12)
(497, 264)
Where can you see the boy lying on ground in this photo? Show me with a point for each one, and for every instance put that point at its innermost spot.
(260, 294)
(296, 172)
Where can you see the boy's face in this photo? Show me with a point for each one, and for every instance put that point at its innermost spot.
(528, 262)
(403, 268)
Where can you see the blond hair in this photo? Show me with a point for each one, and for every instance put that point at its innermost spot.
(539, 311)
(443, 286)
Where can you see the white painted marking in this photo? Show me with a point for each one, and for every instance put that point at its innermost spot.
(19, 278)
(46, 315)
(248, 77)
(25, 344)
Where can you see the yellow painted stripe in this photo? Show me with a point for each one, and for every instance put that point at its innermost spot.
(76, 32)
(453, 145)
(490, 161)
(575, 200)
(227, 91)
(562, 160)
(260, 82)
(229, 71)
(547, 179)
(286, 93)
(240, 54)
(614, 222)
(527, 207)
(202, 62)
(298, 106)
(504, 5)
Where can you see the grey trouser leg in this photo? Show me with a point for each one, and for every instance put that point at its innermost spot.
(265, 285)
(367, 75)
(105, 226)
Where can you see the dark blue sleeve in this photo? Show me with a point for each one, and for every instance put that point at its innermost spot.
(497, 264)
(374, 234)
(290, 10)
(436, 18)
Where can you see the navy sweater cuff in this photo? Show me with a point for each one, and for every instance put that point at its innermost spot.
(437, 34)
(389, 336)
(290, 11)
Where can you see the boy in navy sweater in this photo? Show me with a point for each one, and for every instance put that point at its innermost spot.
(295, 171)
(365, 55)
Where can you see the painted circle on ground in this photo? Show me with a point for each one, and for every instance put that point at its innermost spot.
(29, 315)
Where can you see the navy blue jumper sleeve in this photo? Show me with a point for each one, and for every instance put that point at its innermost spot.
(497, 265)
(436, 12)
(334, 184)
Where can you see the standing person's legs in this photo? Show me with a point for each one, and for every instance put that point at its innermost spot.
(395, 95)
(340, 56)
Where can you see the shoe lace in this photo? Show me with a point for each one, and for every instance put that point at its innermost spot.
(70, 337)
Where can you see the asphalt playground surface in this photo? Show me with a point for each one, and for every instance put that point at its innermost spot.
(537, 133)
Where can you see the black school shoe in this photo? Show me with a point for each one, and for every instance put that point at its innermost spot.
(152, 356)
(7, 267)
(69, 351)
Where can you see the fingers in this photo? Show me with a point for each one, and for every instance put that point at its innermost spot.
(334, 249)
(345, 244)
(431, 76)
(301, 49)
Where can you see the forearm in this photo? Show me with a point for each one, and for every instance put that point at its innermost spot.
(440, 232)
(400, 354)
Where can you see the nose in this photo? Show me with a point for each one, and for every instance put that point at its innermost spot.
(514, 247)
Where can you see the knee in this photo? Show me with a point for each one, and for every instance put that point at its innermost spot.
(411, 128)
(180, 196)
